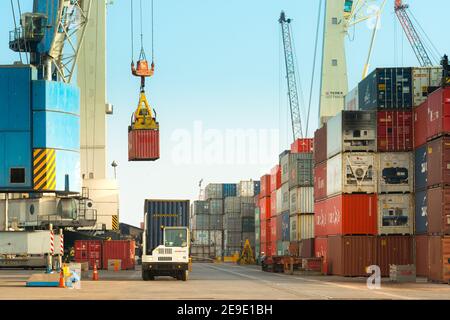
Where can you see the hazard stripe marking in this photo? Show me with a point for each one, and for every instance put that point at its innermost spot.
(44, 169)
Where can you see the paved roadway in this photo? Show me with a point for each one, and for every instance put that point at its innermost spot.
(219, 281)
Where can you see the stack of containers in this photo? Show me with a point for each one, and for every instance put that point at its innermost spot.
(201, 230)
(282, 214)
(300, 179)
(265, 215)
(257, 217)
(432, 142)
(239, 219)
(275, 185)
(348, 207)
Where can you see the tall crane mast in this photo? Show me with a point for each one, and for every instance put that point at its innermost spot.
(294, 104)
(412, 34)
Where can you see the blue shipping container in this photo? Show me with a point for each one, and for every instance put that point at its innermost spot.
(257, 187)
(285, 221)
(386, 88)
(229, 190)
(421, 212)
(421, 170)
(167, 213)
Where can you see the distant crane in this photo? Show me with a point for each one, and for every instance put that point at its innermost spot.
(412, 34)
(294, 104)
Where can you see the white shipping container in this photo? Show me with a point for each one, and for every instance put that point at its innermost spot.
(246, 188)
(423, 78)
(284, 164)
(279, 202)
(396, 172)
(351, 100)
(352, 173)
(395, 214)
(352, 131)
(305, 226)
(301, 200)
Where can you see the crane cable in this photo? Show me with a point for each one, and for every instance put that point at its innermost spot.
(314, 67)
(142, 52)
(132, 33)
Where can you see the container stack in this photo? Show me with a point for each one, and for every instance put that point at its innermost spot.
(432, 185)
(285, 203)
(239, 219)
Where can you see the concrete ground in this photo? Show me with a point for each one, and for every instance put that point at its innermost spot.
(219, 281)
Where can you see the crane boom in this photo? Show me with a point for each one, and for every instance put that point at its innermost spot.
(412, 34)
(294, 105)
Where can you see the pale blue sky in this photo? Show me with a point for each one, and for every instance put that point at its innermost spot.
(218, 62)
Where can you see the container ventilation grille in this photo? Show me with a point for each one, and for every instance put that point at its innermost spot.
(165, 251)
(164, 258)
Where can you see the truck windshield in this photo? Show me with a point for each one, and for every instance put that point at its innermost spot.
(175, 238)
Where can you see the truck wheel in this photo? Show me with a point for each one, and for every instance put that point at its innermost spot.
(146, 276)
(184, 275)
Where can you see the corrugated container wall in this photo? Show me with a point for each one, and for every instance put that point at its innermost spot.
(320, 148)
(438, 111)
(302, 200)
(265, 186)
(232, 205)
(421, 219)
(395, 214)
(301, 171)
(439, 258)
(293, 229)
(398, 250)
(143, 145)
(396, 172)
(395, 131)
(305, 226)
(89, 251)
(386, 88)
(354, 214)
(352, 173)
(285, 231)
(264, 205)
(283, 205)
(248, 188)
(422, 262)
(438, 162)
(214, 191)
(321, 251)
(420, 170)
(351, 100)
(229, 190)
(320, 181)
(352, 131)
(275, 178)
(420, 128)
(121, 250)
(168, 213)
(438, 209)
(216, 206)
(305, 145)
(306, 248)
(201, 207)
(423, 80)
(273, 204)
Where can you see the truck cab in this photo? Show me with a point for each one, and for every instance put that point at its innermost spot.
(169, 259)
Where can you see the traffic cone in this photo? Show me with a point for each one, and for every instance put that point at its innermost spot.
(95, 273)
(62, 283)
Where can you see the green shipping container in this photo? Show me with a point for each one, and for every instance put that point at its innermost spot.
(248, 224)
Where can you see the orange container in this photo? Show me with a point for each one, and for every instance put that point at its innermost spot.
(265, 186)
(347, 214)
(143, 145)
(275, 178)
(265, 208)
(305, 145)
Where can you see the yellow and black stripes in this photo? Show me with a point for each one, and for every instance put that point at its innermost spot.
(115, 222)
(44, 170)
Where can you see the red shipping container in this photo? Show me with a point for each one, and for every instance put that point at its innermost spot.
(348, 214)
(306, 248)
(273, 204)
(439, 259)
(394, 131)
(320, 149)
(420, 127)
(438, 162)
(143, 145)
(320, 181)
(274, 232)
(321, 251)
(275, 178)
(265, 186)
(438, 113)
(119, 249)
(263, 231)
(438, 211)
(89, 251)
(397, 250)
(349, 256)
(422, 262)
(265, 209)
(305, 145)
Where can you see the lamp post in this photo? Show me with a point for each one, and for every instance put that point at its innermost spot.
(114, 165)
